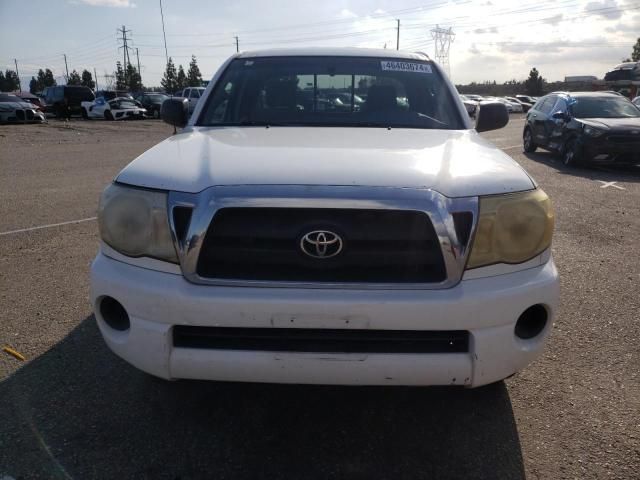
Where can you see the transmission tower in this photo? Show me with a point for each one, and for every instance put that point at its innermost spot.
(442, 38)
(125, 51)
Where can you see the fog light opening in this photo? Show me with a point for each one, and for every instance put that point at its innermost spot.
(532, 322)
(114, 314)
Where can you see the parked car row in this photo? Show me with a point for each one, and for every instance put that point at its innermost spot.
(514, 104)
(67, 100)
(585, 127)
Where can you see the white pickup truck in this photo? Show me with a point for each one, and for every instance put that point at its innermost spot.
(192, 94)
(279, 238)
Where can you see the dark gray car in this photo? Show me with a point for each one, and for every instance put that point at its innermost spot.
(585, 127)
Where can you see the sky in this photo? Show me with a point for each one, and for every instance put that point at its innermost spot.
(493, 39)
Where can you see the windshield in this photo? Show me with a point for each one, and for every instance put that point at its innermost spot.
(332, 91)
(603, 107)
(157, 97)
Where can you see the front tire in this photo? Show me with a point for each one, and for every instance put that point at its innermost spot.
(156, 113)
(85, 114)
(108, 115)
(527, 141)
(571, 154)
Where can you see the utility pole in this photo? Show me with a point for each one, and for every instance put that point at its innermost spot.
(398, 34)
(96, 77)
(443, 38)
(66, 66)
(139, 71)
(166, 53)
(237, 45)
(18, 74)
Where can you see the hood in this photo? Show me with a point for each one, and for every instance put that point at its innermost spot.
(628, 123)
(455, 163)
(16, 105)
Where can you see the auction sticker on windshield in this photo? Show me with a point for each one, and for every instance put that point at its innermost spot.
(405, 66)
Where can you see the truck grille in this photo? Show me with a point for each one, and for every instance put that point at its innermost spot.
(321, 340)
(379, 246)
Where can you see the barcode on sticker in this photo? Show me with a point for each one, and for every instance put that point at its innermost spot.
(405, 66)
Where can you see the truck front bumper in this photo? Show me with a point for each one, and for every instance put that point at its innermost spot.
(487, 308)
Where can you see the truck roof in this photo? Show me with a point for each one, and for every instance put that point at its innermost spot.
(335, 52)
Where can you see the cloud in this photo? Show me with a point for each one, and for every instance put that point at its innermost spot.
(606, 9)
(486, 30)
(625, 28)
(108, 3)
(555, 20)
(346, 13)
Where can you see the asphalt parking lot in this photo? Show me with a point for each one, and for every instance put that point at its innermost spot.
(74, 410)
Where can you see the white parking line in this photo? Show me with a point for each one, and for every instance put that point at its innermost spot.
(610, 184)
(40, 227)
(511, 147)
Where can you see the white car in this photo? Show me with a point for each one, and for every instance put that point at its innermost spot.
(274, 241)
(15, 110)
(470, 105)
(119, 108)
(512, 107)
(636, 101)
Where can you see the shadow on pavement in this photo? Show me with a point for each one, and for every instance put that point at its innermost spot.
(619, 173)
(80, 412)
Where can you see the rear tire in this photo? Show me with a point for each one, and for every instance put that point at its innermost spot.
(527, 141)
(108, 115)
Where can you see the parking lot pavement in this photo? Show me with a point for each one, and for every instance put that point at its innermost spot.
(74, 410)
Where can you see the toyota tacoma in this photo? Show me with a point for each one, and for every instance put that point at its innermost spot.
(280, 237)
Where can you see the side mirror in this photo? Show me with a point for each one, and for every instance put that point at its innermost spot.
(559, 115)
(175, 111)
(491, 116)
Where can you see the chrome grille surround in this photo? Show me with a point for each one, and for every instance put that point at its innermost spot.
(436, 206)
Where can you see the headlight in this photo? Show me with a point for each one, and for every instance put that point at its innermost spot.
(135, 222)
(592, 132)
(512, 228)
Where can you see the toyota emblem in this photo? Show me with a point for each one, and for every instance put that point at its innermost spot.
(321, 244)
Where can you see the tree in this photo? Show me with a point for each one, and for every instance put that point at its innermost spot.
(9, 81)
(194, 77)
(134, 81)
(42, 80)
(534, 85)
(121, 81)
(169, 80)
(181, 78)
(635, 55)
(47, 78)
(74, 79)
(87, 79)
